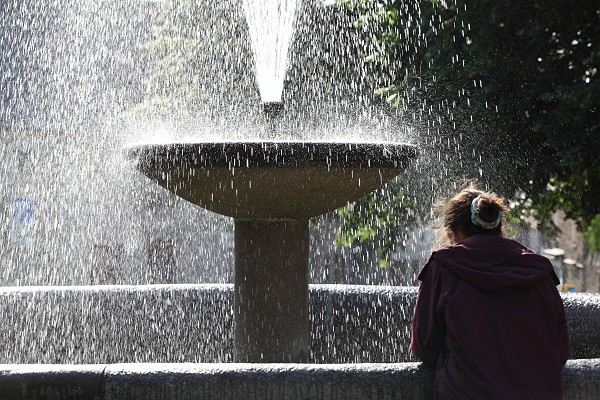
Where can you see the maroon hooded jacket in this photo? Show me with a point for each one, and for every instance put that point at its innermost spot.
(490, 320)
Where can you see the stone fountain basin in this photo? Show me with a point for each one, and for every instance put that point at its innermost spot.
(153, 342)
(150, 342)
(193, 323)
(271, 180)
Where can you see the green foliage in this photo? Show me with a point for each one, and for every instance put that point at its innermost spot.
(592, 234)
(515, 83)
(381, 219)
(199, 59)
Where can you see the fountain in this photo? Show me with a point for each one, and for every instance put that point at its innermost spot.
(271, 189)
(178, 341)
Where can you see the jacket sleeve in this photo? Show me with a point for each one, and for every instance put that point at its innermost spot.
(427, 329)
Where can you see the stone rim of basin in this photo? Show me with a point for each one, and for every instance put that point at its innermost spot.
(258, 154)
(271, 180)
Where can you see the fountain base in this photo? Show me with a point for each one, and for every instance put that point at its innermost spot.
(404, 381)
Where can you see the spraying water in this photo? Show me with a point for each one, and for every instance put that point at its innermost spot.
(74, 90)
(271, 27)
(75, 214)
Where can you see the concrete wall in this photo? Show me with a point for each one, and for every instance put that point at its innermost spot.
(193, 323)
(406, 381)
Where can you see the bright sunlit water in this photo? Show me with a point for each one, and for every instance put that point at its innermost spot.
(190, 323)
(271, 27)
(80, 79)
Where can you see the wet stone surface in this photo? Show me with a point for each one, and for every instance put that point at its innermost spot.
(194, 323)
(581, 381)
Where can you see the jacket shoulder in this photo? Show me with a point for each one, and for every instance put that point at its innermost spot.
(430, 268)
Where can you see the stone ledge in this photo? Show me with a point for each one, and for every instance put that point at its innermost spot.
(194, 323)
(400, 381)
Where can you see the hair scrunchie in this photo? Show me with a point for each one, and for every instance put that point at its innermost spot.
(476, 219)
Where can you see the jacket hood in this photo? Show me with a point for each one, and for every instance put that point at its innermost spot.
(495, 264)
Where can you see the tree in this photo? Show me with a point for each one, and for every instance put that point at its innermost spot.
(514, 84)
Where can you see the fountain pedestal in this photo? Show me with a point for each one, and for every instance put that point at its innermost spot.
(271, 189)
(271, 291)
